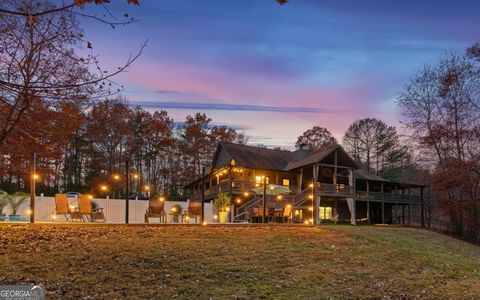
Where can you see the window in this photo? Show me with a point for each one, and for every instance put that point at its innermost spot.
(325, 213)
(259, 179)
(285, 181)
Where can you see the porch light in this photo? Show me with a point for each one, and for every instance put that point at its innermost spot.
(36, 176)
(161, 199)
(29, 212)
(311, 185)
(103, 188)
(72, 207)
(90, 197)
(306, 222)
(310, 208)
(288, 206)
(116, 177)
(174, 209)
(239, 200)
(310, 196)
(228, 209)
(204, 223)
(135, 176)
(147, 187)
(215, 217)
(279, 197)
(54, 217)
(246, 194)
(272, 188)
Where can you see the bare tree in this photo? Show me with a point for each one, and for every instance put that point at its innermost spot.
(38, 61)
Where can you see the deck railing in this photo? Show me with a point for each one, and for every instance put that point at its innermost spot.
(387, 197)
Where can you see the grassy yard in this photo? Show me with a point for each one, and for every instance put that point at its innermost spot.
(243, 262)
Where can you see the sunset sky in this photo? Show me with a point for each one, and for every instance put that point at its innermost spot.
(274, 71)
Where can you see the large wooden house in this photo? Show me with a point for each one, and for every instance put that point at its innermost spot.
(324, 185)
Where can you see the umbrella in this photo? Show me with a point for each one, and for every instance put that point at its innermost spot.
(272, 189)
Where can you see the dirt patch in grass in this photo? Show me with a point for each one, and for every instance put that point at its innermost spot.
(242, 262)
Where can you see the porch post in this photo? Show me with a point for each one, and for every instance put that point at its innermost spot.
(264, 198)
(422, 208)
(33, 179)
(300, 181)
(335, 170)
(383, 205)
(368, 202)
(316, 199)
(396, 203)
(409, 208)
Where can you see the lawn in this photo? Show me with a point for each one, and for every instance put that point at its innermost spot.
(243, 262)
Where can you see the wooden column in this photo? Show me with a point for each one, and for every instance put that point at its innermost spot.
(335, 170)
(396, 203)
(300, 180)
(368, 201)
(422, 208)
(316, 199)
(383, 203)
(276, 178)
(409, 208)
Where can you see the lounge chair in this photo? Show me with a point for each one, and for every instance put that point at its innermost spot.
(194, 210)
(61, 206)
(156, 209)
(87, 212)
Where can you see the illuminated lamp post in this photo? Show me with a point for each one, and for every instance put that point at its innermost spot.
(33, 179)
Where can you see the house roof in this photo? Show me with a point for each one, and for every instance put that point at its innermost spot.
(284, 160)
(366, 175)
(257, 157)
(317, 156)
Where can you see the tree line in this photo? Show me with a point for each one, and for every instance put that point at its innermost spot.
(92, 146)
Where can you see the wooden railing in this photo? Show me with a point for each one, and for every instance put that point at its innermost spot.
(387, 197)
(325, 189)
(238, 187)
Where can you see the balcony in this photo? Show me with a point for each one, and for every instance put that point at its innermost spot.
(238, 187)
(325, 189)
(387, 197)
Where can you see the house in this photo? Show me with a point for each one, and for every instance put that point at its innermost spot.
(325, 185)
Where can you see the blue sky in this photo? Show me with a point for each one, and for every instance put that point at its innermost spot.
(274, 70)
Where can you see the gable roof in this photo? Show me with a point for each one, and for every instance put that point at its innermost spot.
(257, 157)
(317, 156)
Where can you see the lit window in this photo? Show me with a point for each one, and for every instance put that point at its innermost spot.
(259, 179)
(325, 213)
(286, 182)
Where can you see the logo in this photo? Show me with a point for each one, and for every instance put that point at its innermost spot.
(22, 292)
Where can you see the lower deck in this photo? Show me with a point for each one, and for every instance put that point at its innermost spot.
(330, 210)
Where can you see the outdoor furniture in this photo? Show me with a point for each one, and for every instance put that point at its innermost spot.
(87, 212)
(194, 210)
(156, 209)
(61, 206)
(284, 215)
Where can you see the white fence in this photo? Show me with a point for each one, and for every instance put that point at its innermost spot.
(114, 210)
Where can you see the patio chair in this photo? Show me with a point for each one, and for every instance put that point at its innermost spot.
(194, 210)
(61, 206)
(87, 212)
(156, 209)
